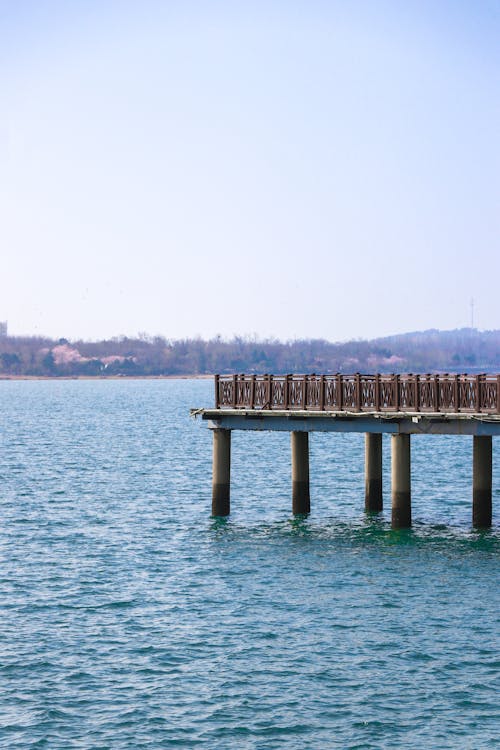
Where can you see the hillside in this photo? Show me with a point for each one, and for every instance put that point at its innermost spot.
(462, 350)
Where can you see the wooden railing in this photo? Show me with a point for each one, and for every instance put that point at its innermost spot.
(361, 393)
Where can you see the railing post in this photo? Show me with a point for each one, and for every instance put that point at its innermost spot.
(252, 392)
(456, 394)
(358, 391)
(304, 392)
(377, 392)
(498, 394)
(396, 392)
(234, 391)
(340, 391)
(269, 391)
(286, 386)
(436, 392)
(417, 392)
(217, 398)
(322, 393)
(478, 393)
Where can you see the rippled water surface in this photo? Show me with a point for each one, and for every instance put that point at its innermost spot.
(131, 619)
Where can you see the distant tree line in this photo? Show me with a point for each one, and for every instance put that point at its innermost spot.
(463, 350)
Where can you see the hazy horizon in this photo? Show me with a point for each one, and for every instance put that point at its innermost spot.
(297, 170)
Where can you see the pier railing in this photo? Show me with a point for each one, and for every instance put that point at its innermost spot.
(360, 393)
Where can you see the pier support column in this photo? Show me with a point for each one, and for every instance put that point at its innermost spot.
(221, 472)
(481, 481)
(401, 482)
(373, 472)
(300, 472)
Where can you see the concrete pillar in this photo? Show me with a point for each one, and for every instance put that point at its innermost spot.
(373, 472)
(221, 472)
(481, 481)
(300, 472)
(401, 482)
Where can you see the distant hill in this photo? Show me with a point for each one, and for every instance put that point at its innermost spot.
(462, 350)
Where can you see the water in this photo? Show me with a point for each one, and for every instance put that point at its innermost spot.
(131, 619)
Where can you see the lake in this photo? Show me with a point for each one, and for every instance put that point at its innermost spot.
(129, 618)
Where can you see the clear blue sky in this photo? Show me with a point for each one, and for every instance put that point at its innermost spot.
(289, 169)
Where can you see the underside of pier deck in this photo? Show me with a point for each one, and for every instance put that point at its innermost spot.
(368, 422)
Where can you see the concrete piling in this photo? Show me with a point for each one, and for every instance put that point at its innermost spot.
(481, 481)
(301, 502)
(373, 472)
(221, 472)
(401, 481)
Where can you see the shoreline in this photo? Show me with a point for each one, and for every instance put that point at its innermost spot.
(105, 377)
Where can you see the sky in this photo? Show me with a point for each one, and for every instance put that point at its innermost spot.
(279, 169)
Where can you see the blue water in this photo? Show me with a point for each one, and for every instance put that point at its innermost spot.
(131, 619)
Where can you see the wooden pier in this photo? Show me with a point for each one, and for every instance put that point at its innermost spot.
(400, 405)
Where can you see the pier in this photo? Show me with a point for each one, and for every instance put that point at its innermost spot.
(399, 405)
